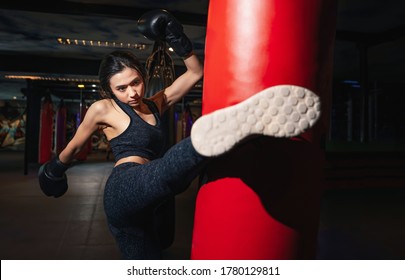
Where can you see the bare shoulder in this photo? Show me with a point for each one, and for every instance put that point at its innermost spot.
(99, 112)
(102, 106)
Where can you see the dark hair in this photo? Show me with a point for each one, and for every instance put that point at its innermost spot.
(114, 63)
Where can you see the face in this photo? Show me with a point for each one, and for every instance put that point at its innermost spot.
(128, 87)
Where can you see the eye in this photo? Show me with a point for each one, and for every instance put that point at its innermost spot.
(121, 89)
(136, 82)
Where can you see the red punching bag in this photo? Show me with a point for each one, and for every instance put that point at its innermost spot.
(86, 149)
(60, 127)
(262, 200)
(46, 130)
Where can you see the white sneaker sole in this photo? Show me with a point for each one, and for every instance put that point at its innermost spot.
(279, 111)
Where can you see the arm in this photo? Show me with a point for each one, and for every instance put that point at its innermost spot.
(184, 83)
(89, 125)
(51, 175)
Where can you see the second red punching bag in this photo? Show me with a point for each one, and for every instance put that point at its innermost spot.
(262, 200)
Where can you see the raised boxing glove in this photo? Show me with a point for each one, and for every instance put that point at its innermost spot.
(160, 25)
(52, 178)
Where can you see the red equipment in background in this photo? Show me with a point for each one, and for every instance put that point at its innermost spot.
(46, 130)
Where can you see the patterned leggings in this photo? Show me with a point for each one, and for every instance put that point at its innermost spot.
(134, 190)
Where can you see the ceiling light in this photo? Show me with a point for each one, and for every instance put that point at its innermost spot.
(52, 78)
(98, 43)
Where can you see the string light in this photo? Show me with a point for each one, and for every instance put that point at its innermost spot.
(48, 78)
(83, 42)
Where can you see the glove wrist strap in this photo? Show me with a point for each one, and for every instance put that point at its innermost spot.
(57, 168)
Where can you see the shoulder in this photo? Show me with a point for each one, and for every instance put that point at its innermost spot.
(101, 106)
(100, 110)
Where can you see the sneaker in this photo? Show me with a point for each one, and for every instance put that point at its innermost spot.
(279, 111)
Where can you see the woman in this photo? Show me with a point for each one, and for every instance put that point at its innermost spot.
(142, 177)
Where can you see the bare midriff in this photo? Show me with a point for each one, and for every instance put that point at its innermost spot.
(135, 159)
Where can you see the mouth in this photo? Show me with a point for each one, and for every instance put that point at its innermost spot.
(134, 102)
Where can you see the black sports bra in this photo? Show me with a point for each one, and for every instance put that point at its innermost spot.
(139, 138)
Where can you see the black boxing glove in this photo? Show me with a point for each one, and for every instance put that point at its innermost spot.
(160, 25)
(52, 178)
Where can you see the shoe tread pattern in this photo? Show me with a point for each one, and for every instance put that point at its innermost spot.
(278, 111)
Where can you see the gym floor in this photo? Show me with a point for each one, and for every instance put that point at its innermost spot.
(361, 222)
(34, 226)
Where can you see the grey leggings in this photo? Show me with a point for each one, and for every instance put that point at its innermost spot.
(134, 190)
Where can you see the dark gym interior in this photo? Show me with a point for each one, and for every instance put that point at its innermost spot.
(47, 50)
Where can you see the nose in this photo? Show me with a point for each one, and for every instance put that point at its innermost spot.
(133, 92)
